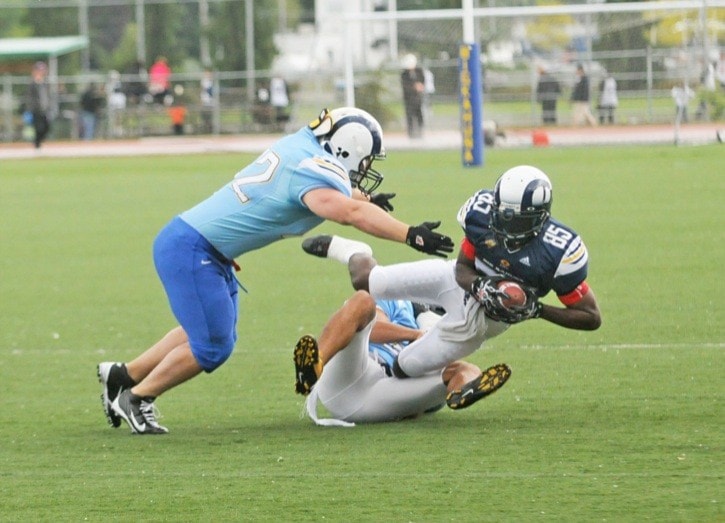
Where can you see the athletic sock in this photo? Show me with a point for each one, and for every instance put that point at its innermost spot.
(126, 380)
(341, 249)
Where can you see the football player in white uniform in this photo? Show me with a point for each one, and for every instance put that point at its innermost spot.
(354, 359)
(509, 235)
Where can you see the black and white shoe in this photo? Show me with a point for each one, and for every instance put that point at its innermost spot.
(317, 245)
(114, 378)
(307, 361)
(140, 413)
(487, 383)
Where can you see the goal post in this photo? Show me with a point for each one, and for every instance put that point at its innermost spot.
(471, 92)
(471, 104)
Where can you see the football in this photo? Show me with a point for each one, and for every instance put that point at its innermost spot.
(516, 295)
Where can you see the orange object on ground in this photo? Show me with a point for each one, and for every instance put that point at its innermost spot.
(540, 138)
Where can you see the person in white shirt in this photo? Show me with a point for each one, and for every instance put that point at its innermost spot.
(608, 100)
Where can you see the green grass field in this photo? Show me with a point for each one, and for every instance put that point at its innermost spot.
(621, 424)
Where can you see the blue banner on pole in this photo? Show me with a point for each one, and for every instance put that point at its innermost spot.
(469, 73)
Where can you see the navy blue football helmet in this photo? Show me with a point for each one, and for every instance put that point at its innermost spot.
(522, 205)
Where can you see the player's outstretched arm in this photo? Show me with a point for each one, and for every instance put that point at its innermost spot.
(368, 217)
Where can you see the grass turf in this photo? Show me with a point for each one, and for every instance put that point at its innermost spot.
(620, 424)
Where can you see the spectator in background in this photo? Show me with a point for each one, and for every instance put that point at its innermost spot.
(38, 102)
(116, 103)
(207, 102)
(580, 99)
(547, 93)
(412, 81)
(708, 85)
(682, 96)
(136, 89)
(608, 100)
(177, 113)
(91, 103)
(160, 80)
(429, 88)
(262, 109)
(279, 98)
(720, 69)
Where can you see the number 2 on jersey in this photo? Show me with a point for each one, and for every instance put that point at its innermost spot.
(269, 160)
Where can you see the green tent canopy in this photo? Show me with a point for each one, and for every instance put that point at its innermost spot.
(40, 48)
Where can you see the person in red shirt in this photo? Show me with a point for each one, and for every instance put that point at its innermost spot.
(160, 79)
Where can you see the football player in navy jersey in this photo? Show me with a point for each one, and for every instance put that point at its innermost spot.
(356, 351)
(509, 235)
(321, 172)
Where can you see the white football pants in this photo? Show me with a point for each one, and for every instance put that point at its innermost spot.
(460, 332)
(354, 388)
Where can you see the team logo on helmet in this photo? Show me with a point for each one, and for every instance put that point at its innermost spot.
(355, 138)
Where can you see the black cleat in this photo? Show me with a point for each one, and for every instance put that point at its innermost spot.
(307, 358)
(317, 245)
(114, 378)
(487, 383)
(140, 413)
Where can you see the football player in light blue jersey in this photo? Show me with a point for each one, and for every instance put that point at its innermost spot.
(398, 312)
(322, 172)
(355, 351)
(509, 236)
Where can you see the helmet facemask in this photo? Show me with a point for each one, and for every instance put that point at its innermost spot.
(365, 178)
(516, 229)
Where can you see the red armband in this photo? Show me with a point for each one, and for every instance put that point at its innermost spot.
(468, 250)
(576, 295)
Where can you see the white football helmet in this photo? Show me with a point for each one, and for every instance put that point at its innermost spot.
(522, 205)
(355, 138)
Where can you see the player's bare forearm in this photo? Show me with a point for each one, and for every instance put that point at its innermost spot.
(584, 315)
(466, 272)
(373, 220)
(361, 214)
(388, 332)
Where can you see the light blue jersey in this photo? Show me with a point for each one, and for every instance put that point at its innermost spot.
(263, 203)
(399, 312)
(193, 253)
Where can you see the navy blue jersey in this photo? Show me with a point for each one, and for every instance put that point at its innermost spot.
(556, 259)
